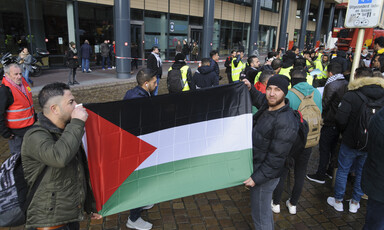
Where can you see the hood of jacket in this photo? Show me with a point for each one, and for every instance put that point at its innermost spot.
(369, 86)
(305, 88)
(205, 69)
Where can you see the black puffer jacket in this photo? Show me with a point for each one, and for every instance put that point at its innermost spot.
(372, 181)
(273, 135)
(347, 113)
(333, 93)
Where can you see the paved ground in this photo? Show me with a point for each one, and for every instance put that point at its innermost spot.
(223, 209)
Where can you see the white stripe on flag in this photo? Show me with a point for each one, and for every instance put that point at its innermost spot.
(199, 139)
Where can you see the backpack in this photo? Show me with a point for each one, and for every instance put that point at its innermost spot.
(311, 113)
(14, 196)
(367, 110)
(175, 82)
(300, 142)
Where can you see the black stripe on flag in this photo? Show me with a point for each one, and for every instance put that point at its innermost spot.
(146, 115)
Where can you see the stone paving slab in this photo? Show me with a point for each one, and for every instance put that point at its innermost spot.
(222, 209)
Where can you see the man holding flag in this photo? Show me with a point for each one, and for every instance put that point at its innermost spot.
(147, 82)
(274, 130)
(53, 147)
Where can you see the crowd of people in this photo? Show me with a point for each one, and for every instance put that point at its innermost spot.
(50, 142)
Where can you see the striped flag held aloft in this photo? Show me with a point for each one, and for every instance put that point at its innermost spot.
(149, 150)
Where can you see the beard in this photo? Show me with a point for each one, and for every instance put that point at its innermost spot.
(276, 103)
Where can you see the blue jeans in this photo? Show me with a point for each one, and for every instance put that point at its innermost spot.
(345, 160)
(261, 196)
(103, 62)
(157, 87)
(26, 76)
(85, 64)
(374, 219)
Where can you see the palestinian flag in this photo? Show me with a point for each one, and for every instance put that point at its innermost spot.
(148, 150)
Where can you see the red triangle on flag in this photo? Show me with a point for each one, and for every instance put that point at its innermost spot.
(113, 154)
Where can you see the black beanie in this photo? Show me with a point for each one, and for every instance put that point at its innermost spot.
(179, 57)
(280, 81)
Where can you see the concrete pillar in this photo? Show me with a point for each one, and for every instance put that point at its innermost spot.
(254, 33)
(331, 16)
(163, 35)
(76, 17)
(340, 18)
(319, 21)
(30, 43)
(283, 24)
(122, 16)
(209, 13)
(70, 22)
(304, 22)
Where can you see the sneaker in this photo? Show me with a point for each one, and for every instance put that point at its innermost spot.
(109, 68)
(70, 83)
(365, 197)
(89, 70)
(329, 173)
(139, 224)
(353, 207)
(291, 208)
(316, 178)
(275, 207)
(76, 82)
(148, 207)
(338, 206)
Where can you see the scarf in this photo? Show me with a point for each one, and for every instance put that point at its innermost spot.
(334, 78)
(158, 59)
(73, 49)
(19, 87)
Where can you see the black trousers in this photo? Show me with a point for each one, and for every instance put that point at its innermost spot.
(327, 147)
(300, 170)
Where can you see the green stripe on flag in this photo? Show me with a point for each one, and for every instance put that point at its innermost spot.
(180, 179)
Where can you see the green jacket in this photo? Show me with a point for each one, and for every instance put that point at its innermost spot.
(64, 192)
(306, 89)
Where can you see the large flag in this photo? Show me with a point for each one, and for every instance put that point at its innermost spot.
(148, 150)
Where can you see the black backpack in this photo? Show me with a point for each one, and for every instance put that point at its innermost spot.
(300, 141)
(366, 111)
(175, 82)
(14, 196)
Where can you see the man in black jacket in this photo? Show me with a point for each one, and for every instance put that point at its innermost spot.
(274, 132)
(364, 87)
(372, 181)
(205, 76)
(146, 80)
(154, 63)
(334, 90)
(252, 69)
(214, 59)
(227, 65)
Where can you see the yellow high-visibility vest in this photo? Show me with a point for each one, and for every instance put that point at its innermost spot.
(184, 72)
(237, 70)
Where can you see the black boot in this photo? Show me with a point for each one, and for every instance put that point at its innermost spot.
(75, 82)
(70, 83)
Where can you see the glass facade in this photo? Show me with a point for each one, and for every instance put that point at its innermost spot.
(48, 24)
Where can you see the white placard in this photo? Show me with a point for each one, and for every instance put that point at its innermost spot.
(60, 40)
(364, 13)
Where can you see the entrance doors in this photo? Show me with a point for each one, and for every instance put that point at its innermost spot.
(137, 38)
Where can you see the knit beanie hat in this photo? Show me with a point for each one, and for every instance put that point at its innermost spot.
(180, 57)
(280, 81)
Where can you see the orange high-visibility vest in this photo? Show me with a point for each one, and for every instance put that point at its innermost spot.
(21, 113)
